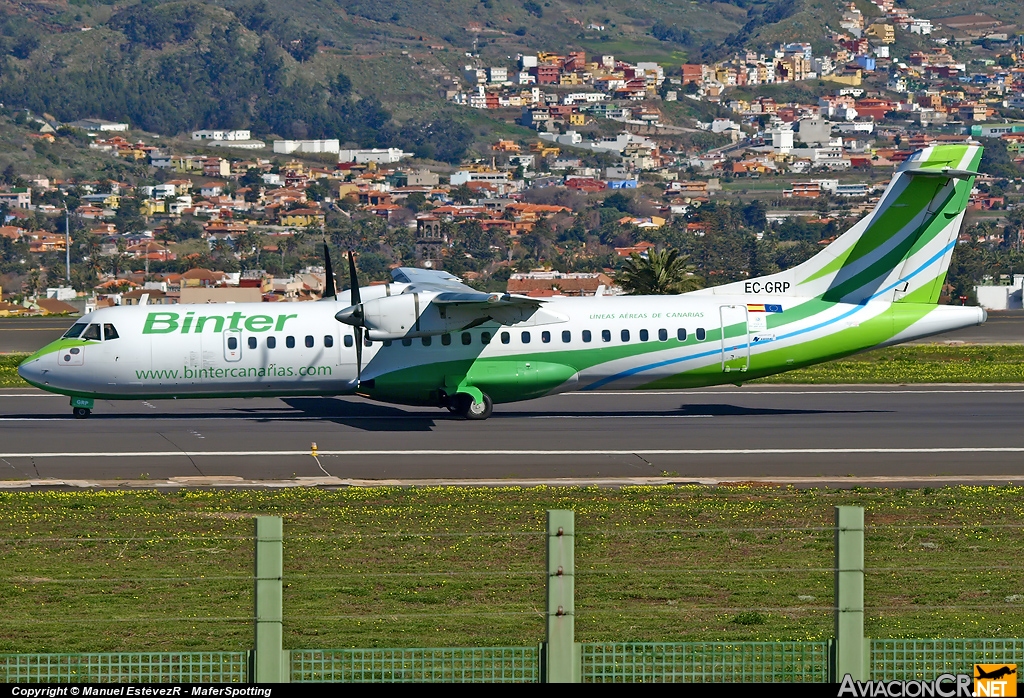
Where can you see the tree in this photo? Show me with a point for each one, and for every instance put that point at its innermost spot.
(662, 273)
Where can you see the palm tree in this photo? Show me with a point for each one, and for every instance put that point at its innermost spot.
(662, 273)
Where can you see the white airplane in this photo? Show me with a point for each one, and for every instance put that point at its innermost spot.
(428, 339)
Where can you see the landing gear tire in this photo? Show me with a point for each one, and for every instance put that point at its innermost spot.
(468, 408)
(81, 412)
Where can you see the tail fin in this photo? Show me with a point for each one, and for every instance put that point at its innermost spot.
(898, 252)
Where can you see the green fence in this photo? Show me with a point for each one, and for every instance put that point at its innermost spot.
(560, 658)
(126, 667)
(894, 660)
(700, 662)
(418, 665)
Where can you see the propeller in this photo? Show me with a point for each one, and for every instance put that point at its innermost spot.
(329, 287)
(356, 315)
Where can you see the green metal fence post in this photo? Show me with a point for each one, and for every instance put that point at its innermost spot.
(850, 653)
(562, 662)
(270, 662)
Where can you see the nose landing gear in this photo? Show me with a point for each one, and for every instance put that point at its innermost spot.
(81, 407)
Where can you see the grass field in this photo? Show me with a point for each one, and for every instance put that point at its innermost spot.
(923, 363)
(429, 567)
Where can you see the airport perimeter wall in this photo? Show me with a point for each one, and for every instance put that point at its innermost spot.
(559, 658)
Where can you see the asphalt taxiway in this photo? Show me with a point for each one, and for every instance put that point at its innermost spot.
(802, 434)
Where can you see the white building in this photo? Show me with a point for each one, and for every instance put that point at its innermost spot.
(497, 74)
(368, 155)
(61, 293)
(1001, 297)
(236, 135)
(782, 138)
(584, 97)
(466, 176)
(98, 125)
(474, 76)
(328, 145)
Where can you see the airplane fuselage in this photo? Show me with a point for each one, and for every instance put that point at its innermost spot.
(607, 343)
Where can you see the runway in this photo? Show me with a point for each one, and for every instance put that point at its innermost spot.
(805, 434)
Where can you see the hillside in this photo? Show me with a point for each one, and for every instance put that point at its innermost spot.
(367, 72)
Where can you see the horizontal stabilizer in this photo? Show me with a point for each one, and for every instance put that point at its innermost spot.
(947, 172)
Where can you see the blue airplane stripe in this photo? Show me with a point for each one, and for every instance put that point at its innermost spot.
(641, 369)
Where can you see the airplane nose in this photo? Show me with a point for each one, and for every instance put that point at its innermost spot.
(983, 316)
(29, 370)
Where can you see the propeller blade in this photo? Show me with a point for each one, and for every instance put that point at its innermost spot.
(353, 279)
(359, 354)
(356, 302)
(329, 288)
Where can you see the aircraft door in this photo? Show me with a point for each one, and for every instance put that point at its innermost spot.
(736, 347)
(232, 345)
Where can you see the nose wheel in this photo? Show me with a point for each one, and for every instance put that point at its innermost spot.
(81, 412)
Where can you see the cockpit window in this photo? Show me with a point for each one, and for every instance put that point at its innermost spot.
(75, 330)
(109, 332)
(92, 332)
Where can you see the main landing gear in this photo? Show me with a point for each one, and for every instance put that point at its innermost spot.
(81, 412)
(468, 407)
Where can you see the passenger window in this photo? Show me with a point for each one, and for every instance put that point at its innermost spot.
(701, 334)
(407, 342)
(232, 343)
(586, 335)
(426, 341)
(92, 332)
(110, 333)
(252, 342)
(309, 341)
(606, 335)
(467, 338)
(289, 342)
(506, 338)
(485, 337)
(644, 336)
(526, 337)
(681, 334)
(446, 339)
(329, 340)
(663, 335)
(348, 340)
(75, 330)
(545, 337)
(624, 335)
(271, 342)
(566, 336)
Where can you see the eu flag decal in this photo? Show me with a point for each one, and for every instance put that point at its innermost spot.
(768, 308)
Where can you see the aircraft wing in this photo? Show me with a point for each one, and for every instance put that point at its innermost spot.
(430, 280)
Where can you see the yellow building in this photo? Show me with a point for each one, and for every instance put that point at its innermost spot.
(577, 119)
(886, 33)
(302, 217)
(150, 207)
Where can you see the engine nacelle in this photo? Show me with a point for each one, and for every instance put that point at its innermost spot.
(417, 315)
(410, 315)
